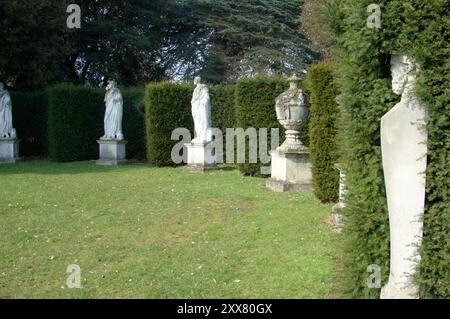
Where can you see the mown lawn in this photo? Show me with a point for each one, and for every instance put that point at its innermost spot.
(142, 232)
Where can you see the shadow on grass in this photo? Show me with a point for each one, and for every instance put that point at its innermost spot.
(227, 167)
(44, 167)
(48, 167)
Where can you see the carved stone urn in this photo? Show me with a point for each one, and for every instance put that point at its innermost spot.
(291, 167)
(292, 109)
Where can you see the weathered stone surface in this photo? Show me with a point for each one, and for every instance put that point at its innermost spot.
(338, 218)
(113, 113)
(291, 167)
(201, 157)
(290, 171)
(201, 112)
(292, 108)
(112, 152)
(404, 147)
(6, 125)
(9, 151)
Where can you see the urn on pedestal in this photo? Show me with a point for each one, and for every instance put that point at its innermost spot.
(291, 167)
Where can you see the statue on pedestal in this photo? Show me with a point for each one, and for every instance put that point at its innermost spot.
(404, 147)
(201, 112)
(112, 144)
(113, 113)
(201, 153)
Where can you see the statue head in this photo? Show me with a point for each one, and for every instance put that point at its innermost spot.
(404, 72)
(111, 85)
(197, 80)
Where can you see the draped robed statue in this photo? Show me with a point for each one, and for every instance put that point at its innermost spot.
(201, 112)
(6, 129)
(113, 113)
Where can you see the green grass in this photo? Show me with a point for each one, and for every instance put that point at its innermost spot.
(141, 232)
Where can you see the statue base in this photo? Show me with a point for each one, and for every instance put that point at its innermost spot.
(201, 157)
(399, 291)
(9, 151)
(112, 152)
(338, 219)
(291, 170)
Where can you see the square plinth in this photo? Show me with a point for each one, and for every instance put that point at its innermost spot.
(290, 171)
(112, 152)
(9, 151)
(201, 157)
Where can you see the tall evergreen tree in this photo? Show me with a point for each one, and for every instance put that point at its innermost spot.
(32, 42)
(120, 40)
(253, 37)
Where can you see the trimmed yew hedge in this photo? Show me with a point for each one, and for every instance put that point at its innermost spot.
(323, 131)
(222, 113)
(30, 121)
(255, 107)
(168, 106)
(420, 29)
(249, 103)
(75, 122)
(134, 123)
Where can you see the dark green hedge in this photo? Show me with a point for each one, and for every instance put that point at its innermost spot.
(249, 103)
(134, 123)
(74, 122)
(30, 121)
(323, 131)
(167, 107)
(255, 107)
(222, 100)
(420, 29)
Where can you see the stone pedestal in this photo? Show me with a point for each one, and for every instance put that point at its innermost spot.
(201, 157)
(112, 152)
(291, 170)
(9, 151)
(336, 210)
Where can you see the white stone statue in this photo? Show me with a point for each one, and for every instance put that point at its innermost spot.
(201, 112)
(113, 113)
(6, 129)
(404, 147)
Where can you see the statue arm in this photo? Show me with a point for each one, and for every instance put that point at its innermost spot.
(119, 97)
(195, 96)
(116, 97)
(8, 101)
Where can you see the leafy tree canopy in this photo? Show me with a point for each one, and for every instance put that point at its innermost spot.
(138, 41)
